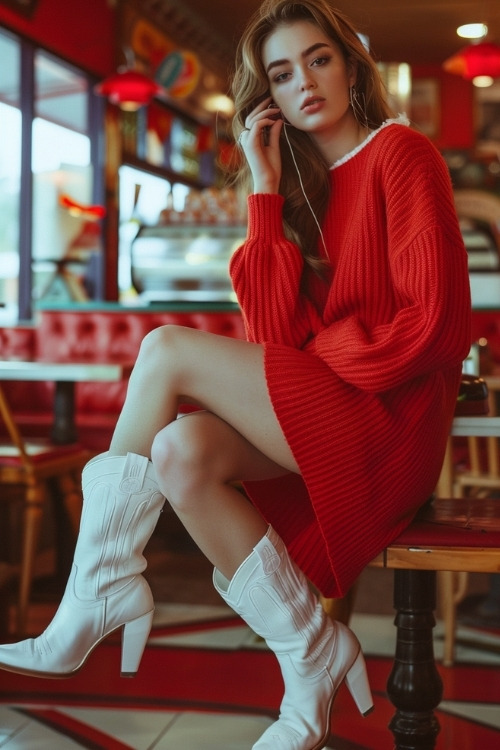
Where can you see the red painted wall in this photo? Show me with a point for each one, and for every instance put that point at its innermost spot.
(457, 107)
(83, 33)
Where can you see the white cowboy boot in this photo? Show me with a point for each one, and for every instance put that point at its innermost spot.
(105, 590)
(315, 654)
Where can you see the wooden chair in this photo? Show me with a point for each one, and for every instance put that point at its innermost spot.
(483, 473)
(35, 467)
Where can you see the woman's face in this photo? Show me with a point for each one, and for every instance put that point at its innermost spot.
(309, 79)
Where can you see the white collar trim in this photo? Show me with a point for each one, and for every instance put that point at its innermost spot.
(401, 119)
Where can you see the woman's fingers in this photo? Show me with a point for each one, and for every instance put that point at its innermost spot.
(259, 141)
(264, 111)
(259, 125)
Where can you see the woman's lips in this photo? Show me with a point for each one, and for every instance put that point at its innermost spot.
(311, 106)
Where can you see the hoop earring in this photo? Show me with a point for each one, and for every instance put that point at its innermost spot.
(358, 108)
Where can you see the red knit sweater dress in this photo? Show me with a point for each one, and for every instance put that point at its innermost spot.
(362, 371)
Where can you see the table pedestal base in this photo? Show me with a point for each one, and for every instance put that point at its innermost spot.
(64, 428)
(414, 685)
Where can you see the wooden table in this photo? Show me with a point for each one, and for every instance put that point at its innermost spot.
(453, 535)
(65, 375)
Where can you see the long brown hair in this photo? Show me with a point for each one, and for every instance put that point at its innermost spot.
(250, 84)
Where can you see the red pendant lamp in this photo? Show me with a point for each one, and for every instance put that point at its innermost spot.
(129, 89)
(477, 59)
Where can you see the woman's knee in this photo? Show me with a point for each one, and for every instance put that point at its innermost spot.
(158, 342)
(180, 455)
(159, 360)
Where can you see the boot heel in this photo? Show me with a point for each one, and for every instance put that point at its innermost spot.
(359, 687)
(134, 638)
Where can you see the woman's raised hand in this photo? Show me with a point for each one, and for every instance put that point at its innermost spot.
(259, 141)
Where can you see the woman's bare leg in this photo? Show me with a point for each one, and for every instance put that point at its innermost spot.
(199, 457)
(222, 375)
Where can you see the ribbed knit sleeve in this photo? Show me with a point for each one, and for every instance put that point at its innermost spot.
(416, 309)
(266, 272)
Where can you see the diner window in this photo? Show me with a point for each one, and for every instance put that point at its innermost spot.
(63, 237)
(48, 147)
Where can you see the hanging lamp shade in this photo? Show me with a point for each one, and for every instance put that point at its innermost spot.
(129, 89)
(480, 59)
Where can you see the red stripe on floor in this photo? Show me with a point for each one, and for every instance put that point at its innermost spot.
(167, 676)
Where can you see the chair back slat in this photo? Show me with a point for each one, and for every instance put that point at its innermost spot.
(13, 430)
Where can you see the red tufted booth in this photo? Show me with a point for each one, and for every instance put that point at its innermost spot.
(110, 334)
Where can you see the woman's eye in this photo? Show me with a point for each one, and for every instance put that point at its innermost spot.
(320, 61)
(280, 77)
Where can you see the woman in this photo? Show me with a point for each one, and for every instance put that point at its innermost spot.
(354, 289)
